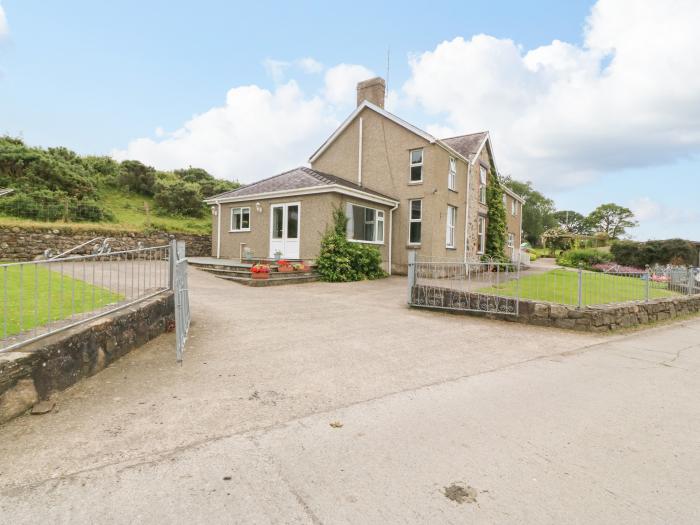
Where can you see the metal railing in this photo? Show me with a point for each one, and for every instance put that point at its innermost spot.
(39, 298)
(499, 288)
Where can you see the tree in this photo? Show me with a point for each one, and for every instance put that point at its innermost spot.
(177, 197)
(496, 229)
(138, 177)
(209, 185)
(612, 219)
(572, 222)
(538, 210)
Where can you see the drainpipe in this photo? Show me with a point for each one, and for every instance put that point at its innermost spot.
(391, 232)
(359, 157)
(520, 233)
(466, 219)
(218, 231)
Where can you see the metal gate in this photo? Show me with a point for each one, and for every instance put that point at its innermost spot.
(487, 287)
(181, 293)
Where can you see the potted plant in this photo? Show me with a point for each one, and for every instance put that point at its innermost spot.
(284, 266)
(299, 267)
(260, 271)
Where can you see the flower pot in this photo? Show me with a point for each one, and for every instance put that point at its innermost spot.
(260, 275)
(285, 269)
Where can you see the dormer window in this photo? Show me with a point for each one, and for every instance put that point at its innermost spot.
(416, 163)
(452, 175)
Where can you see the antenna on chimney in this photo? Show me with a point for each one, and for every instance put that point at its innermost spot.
(386, 93)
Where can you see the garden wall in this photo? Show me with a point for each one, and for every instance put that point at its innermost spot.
(590, 318)
(27, 243)
(32, 373)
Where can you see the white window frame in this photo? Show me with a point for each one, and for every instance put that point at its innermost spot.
(483, 177)
(451, 227)
(481, 233)
(239, 211)
(505, 200)
(513, 207)
(511, 240)
(378, 219)
(411, 220)
(452, 175)
(412, 165)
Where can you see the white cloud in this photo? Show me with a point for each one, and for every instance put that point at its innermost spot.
(310, 65)
(255, 134)
(276, 68)
(4, 28)
(645, 209)
(562, 114)
(341, 82)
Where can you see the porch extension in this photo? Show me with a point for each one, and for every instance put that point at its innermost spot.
(239, 271)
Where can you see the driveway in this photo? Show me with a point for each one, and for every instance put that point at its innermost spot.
(521, 424)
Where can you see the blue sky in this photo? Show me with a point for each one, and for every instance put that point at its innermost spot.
(129, 78)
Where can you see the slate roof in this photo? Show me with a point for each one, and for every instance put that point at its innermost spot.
(295, 179)
(466, 145)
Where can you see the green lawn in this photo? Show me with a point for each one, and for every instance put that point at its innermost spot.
(561, 286)
(66, 295)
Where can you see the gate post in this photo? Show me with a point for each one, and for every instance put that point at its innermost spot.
(172, 255)
(647, 276)
(411, 274)
(580, 285)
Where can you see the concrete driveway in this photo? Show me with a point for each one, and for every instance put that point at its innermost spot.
(516, 424)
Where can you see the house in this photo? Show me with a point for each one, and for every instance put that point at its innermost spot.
(401, 188)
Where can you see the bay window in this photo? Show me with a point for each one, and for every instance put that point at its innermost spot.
(365, 224)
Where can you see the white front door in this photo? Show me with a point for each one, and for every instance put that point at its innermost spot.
(285, 229)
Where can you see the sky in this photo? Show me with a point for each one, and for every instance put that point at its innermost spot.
(593, 102)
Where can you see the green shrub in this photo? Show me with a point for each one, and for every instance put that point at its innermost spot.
(137, 177)
(586, 257)
(341, 260)
(641, 254)
(177, 197)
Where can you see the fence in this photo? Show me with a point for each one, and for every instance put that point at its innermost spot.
(499, 288)
(182, 301)
(46, 296)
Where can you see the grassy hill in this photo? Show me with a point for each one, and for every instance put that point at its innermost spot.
(55, 186)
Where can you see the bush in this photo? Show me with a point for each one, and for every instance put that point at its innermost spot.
(586, 257)
(177, 197)
(641, 254)
(341, 260)
(137, 177)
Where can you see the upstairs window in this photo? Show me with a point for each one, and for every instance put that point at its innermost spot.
(482, 185)
(416, 161)
(505, 200)
(415, 217)
(452, 175)
(365, 224)
(451, 222)
(240, 219)
(513, 207)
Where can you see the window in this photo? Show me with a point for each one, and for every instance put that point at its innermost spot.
(277, 222)
(451, 222)
(482, 185)
(513, 207)
(416, 165)
(365, 224)
(452, 175)
(414, 221)
(482, 235)
(240, 219)
(511, 240)
(505, 200)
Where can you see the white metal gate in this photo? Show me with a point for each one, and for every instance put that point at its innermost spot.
(182, 299)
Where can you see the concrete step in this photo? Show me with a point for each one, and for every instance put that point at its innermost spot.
(278, 279)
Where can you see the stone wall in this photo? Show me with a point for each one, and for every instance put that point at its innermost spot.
(25, 244)
(34, 372)
(590, 318)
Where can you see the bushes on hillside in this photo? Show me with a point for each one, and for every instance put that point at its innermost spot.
(177, 197)
(341, 260)
(641, 254)
(586, 257)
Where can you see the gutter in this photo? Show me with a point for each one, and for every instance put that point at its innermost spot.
(466, 218)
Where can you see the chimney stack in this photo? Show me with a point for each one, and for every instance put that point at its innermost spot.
(372, 90)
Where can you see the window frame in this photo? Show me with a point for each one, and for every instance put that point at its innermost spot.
(240, 210)
(511, 240)
(483, 181)
(412, 165)
(451, 227)
(481, 235)
(452, 175)
(514, 208)
(379, 217)
(411, 220)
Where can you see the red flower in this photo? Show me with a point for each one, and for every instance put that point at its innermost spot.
(260, 268)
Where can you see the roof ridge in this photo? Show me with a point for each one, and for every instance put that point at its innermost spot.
(255, 183)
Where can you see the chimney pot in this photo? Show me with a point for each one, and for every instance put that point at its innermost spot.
(373, 90)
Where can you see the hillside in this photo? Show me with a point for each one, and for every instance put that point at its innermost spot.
(58, 186)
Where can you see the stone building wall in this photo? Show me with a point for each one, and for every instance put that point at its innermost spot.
(26, 244)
